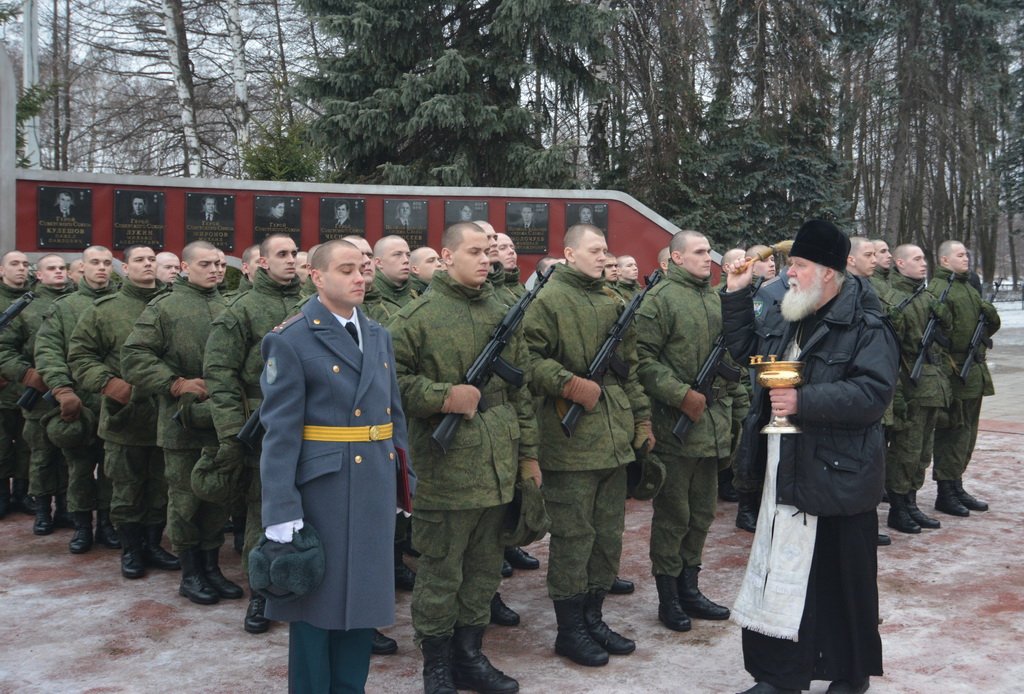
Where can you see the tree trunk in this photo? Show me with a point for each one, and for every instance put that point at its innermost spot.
(238, 72)
(181, 67)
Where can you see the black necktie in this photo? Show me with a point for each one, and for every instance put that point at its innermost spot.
(351, 328)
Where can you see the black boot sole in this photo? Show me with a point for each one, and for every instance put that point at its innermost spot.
(579, 660)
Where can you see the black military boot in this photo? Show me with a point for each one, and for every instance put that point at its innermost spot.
(849, 686)
(471, 669)
(193, 582)
(948, 501)
(899, 514)
(746, 512)
(81, 541)
(437, 665)
(726, 492)
(132, 563)
(573, 640)
(217, 580)
(621, 586)
(5, 496)
(519, 558)
(43, 524)
(238, 533)
(695, 603)
(502, 614)
(382, 645)
(61, 517)
(105, 533)
(670, 612)
(255, 621)
(615, 644)
(969, 502)
(405, 578)
(765, 688)
(154, 555)
(506, 569)
(917, 514)
(20, 498)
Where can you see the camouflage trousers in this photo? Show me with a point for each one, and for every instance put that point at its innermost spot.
(47, 473)
(89, 488)
(138, 486)
(956, 433)
(587, 511)
(459, 568)
(683, 512)
(910, 449)
(191, 522)
(253, 513)
(13, 449)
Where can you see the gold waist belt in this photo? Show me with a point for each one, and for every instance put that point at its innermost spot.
(377, 432)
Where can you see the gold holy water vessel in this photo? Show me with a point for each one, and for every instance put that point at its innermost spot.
(777, 374)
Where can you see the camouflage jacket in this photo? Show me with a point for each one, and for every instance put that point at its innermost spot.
(933, 388)
(10, 392)
(18, 342)
(880, 280)
(54, 339)
(392, 298)
(232, 363)
(565, 326)
(436, 339)
(95, 357)
(677, 325)
(965, 304)
(166, 343)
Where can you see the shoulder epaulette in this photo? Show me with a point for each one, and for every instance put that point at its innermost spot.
(291, 321)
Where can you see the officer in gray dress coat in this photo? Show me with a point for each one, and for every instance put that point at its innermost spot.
(334, 423)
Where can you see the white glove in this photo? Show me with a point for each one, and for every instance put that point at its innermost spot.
(282, 532)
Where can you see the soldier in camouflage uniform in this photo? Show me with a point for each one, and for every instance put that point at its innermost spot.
(861, 262)
(391, 280)
(48, 474)
(628, 284)
(163, 357)
(509, 260)
(677, 325)
(956, 431)
(131, 459)
(423, 262)
(461, 496)
(231, 367)
(585, 475)
(883, 270)
(168, 266)
(915, 406)
(88, 486)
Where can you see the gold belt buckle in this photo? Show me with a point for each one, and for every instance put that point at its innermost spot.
(375, 433)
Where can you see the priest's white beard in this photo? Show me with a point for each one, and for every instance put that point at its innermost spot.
(800, 302)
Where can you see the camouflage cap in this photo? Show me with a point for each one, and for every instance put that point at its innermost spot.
(287, 571)
(76, 434)
(215, 478)
(193, 413)
(645, 475)
(526, 519)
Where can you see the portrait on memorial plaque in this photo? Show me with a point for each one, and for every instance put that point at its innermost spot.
(595, 213)
(139, 218)
(210, 217)
(64, 217)
(342, 217)
(408, 219)
(464, 211)
(276, 214)
(527, 224)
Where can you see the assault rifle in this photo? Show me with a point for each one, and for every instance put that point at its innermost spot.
(977, 340)
(713, 366)
(928, 337)
(606, 358)
(490, 362)
(11, 312)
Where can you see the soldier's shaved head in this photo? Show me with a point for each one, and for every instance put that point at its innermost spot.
(575, 234)
(188, 253)
(679, 241)
(321, 256)
(452, 236)
(382, 246)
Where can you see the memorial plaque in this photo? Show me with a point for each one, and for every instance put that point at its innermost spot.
(464, 211)
(64, 218)
(277, 214)
(595, 213)
(210, 217)
(408, 219)
(527, 224)
(138, 218)
(340, 217)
